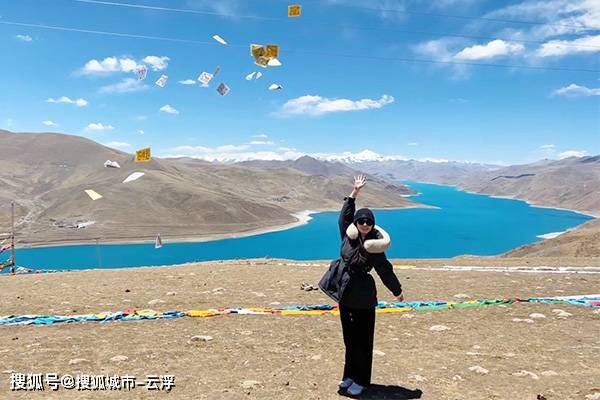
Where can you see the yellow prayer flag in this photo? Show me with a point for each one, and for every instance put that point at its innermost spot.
(143, 155)
(294, 10)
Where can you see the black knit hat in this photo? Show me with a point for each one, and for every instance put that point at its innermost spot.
(364, 213)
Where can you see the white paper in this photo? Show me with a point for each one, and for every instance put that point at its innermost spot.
(134, 176)
(250, 76)
(275, 86)
(162, 81)
(219, 39)
(93, 195)
(273, 62)
(142, 72)
(205, 78)
(111, 164)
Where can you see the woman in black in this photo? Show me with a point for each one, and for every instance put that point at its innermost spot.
(363, 246)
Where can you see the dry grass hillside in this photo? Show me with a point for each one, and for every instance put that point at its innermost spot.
(46, 174)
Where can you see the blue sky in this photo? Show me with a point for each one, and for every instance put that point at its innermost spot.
(345, 86)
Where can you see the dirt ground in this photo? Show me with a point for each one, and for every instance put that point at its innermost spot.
(301, 357)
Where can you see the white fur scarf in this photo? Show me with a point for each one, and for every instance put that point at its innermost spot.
(379, 245)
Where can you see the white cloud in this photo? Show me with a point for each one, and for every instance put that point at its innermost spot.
(99, 127)
(443, 50)
(188, 82)
(317, 105)
(141, 117)
(561, 17)
(547, 147)
(492, 49)
(117, 145)
(260, 136)
(156, 62)
(64, 99)
(141, 131)
(262, 142)
(168, 109)
(49, 123)
(574, 90)
(126, 85)
(122, 64)
(413, 144)
(109, 65)
(559, 48)
(572, 153)
(24, 38)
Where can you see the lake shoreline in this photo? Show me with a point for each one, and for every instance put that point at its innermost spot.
(588, 213)
(302, 218)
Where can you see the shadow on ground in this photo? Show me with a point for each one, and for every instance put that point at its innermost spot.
(385, 392)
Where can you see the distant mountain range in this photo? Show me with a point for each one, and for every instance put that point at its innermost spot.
(568, 183)
(46, 175)
(572, 183)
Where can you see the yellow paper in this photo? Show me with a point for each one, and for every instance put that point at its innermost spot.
(294, 10)
(272, 51)
(257, 50)
(143, 155)
(262, 61)
(93, 195)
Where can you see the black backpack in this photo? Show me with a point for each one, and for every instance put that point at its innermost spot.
(335, 280)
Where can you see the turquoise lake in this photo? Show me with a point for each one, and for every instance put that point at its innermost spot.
(464, 223)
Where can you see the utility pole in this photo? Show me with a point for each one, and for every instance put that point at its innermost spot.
(12, 237)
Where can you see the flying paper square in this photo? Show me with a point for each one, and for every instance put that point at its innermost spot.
(262, 61)
(205, 77)
(219, 39)
(93, 195)
(294, 10)
(111, 164)
(223, 89)
(143, 155)
(272, 51)
(162, 81)
(142, 72)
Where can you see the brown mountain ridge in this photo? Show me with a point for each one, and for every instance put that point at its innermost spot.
(46, 175)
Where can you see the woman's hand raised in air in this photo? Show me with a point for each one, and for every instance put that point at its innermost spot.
(359, 182)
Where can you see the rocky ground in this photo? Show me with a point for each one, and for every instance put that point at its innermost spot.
(498, 352)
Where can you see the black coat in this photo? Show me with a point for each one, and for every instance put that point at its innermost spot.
(360, 291)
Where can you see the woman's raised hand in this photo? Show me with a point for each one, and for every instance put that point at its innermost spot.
(359, 182)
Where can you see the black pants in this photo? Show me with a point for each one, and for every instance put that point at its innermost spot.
(358, 326)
